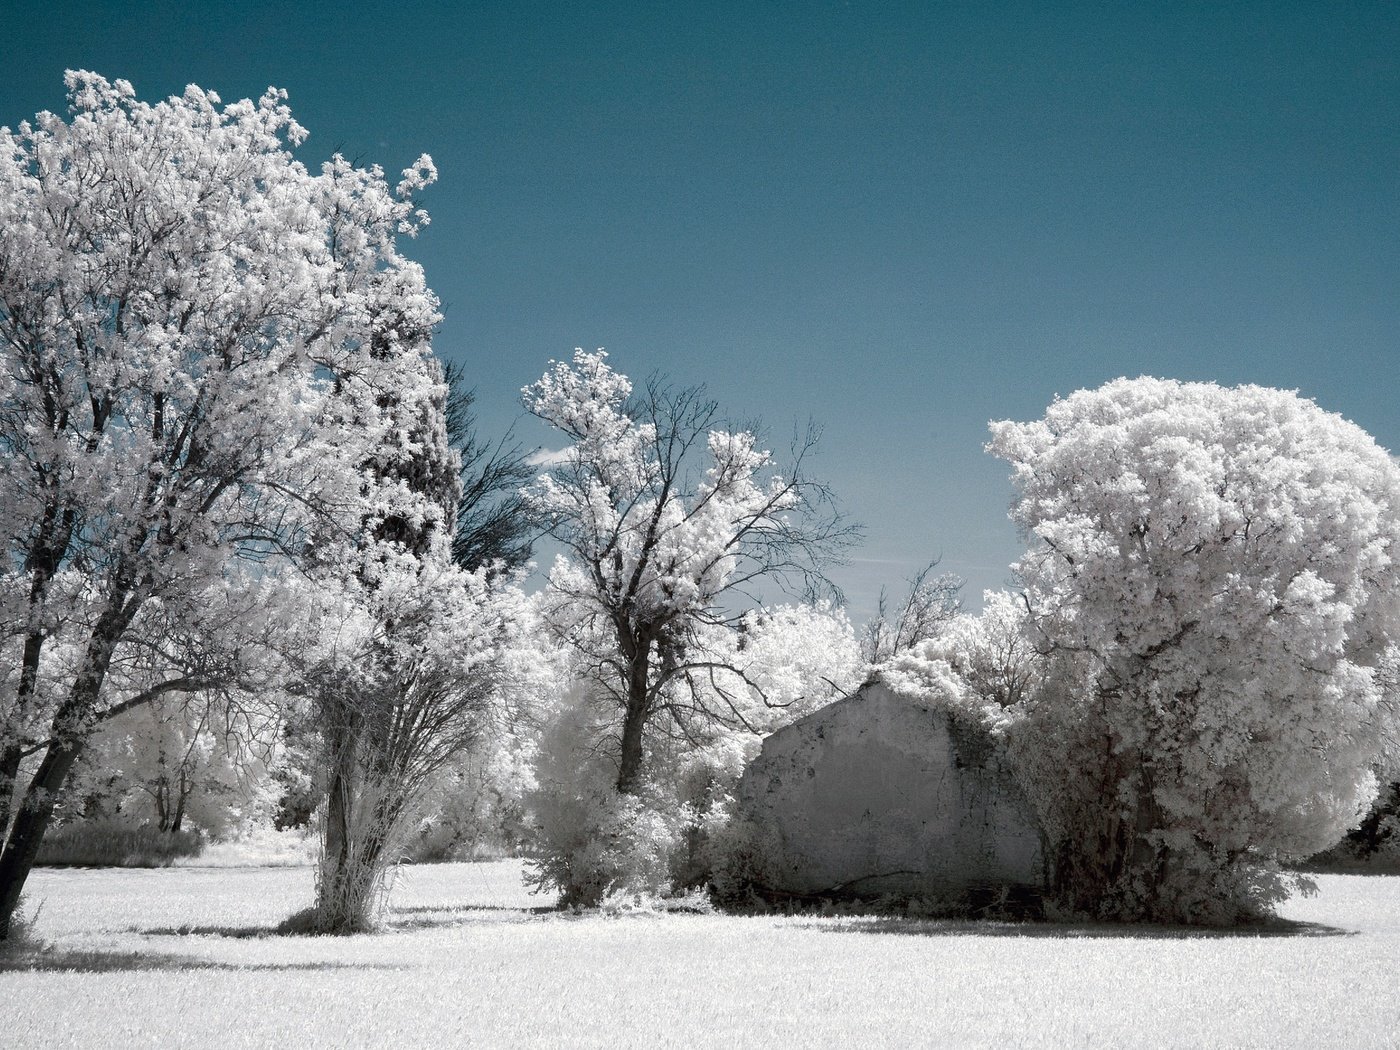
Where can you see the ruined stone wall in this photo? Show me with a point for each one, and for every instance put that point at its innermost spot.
(877, 794)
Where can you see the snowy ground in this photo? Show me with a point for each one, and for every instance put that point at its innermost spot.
(181, 956)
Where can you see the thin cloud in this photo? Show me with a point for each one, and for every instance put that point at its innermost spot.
(547, 457)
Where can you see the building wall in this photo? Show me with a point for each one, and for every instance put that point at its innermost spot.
(879, 794)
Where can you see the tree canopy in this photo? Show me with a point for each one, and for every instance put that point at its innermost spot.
(1213, 572)
(179, 298)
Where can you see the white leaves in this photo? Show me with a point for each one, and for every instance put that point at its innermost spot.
(197, 343)
(587, 403)
(1215, 565)
(619, 494)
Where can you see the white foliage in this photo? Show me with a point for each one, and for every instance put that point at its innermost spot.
(180, 763)
(197, 336)
(984, 665)
(174, 288)
(1213, 570)
(663, 548)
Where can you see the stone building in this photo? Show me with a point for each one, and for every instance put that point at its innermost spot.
(878, 794)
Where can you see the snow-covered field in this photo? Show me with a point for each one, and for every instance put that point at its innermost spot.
(182, 956)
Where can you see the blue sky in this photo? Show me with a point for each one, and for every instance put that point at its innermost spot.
(900, 220)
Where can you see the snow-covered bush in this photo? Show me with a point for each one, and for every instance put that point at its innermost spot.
(475, 811)
(480, 803)
(590, 840)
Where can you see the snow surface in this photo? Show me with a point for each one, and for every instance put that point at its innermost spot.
(182, 957)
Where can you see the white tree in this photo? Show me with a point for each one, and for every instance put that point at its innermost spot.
(657, 548)
(401, 673)
(1212, 583)
(183, 759)
(174, 290)
(668, 525)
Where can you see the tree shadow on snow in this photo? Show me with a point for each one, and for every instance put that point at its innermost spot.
(235, 932)
(464, 909)
(397, 919)
(1072, 931)
(432, 916)
(86, 961)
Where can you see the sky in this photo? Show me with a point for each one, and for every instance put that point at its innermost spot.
(898, 220)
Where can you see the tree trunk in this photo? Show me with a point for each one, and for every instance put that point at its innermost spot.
(47, 553)
(337, 844)
(180, 805)
(629, 770)
(10, 758)
(353, 861)
(161, 796)
(348, 881)
(634, 720)
(31, 822)
(343, 738)
(69, 735)
(13, 753)
(363, 879)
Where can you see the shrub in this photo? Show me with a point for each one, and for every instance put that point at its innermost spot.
(597, 843)
(591, 841)
(112, 843)
(477, 811)
(740, 867)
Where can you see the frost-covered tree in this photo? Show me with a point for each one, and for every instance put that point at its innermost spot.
(668, 524)
(186, 759)
(400, 684)
(1212, 587)
(175, 290)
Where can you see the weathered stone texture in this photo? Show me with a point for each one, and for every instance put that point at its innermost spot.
(877, 794)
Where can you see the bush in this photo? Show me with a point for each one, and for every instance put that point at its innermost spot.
(740, 867)
(592, 843)
(115, 844)
(1211, 591)
(597, 843)
(476, 812)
